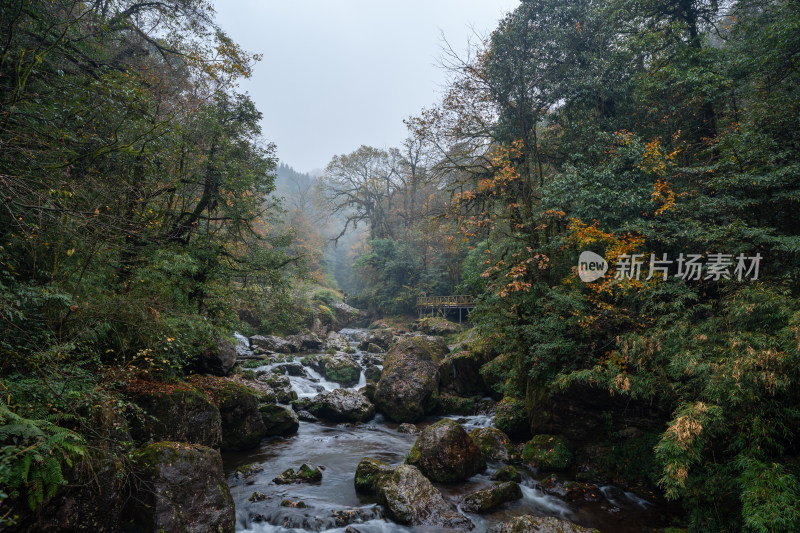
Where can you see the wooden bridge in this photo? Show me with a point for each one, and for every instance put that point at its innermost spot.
(444, 304)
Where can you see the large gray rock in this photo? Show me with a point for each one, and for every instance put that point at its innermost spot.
(337, 341)
(344, 405)
(408, 388)
(184, 489)
(539, 524)
(345, 314)
(444, 452)
(305, 341)
(183, 414)
(410, 499)
(382, 338)
(271, 343)
(217, 360)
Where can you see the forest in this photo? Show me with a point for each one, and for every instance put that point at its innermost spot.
(144, 216)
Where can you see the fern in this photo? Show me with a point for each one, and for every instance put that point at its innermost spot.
(34, 451)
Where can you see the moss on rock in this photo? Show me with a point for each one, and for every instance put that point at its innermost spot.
(548, 452)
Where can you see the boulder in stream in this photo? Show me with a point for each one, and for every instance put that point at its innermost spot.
(539, 524)
(271, 343)
(494, 445)
(305, 341)
(369, 472)
(339, 368)
(408, 388)
(337, 341)
(184, 489)
(483, 501)
(242, 426)
(279, 420)
(410, 499)
(381, 338)
(372, 373)
(339, 405)
(445, 453)
(507, 473)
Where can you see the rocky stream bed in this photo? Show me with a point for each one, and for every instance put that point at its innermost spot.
(333, 487)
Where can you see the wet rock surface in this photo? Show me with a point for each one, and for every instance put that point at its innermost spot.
(410, 498)
(408, 387)
(186, 490)
(445, 453)
(539, 524)
(486, 500)
(494, 445)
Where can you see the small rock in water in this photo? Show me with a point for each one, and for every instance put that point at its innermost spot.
(290, 503)
(507, 473)
(247, 471)
(408, 428)
(483, 501)
(305, 416)
(258, 497)
(307, 473)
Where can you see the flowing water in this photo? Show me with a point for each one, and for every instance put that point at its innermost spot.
(333, 504)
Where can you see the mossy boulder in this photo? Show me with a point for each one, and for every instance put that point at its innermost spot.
(180, 413)
(372, 373)
(539, 524)
(217, 360)
(279, 387)
(460, 373)
(345, 314)
(339, 368)
(548, 452)
(450, 404)
(409, 384)
(494, 444)
(382, 338)
(307, 473)
(183, 489)
(507, 473)
(444, 452)
(337, 342)
(410, 499)
(279, 420)
(369, 472)
(486, 500)
(242, 425)
(511, 418)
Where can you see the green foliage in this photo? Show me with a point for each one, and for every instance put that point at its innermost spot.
(548, 452)
(34, 453)
(326, 296)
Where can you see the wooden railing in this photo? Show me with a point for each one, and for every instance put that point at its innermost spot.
(461, 300)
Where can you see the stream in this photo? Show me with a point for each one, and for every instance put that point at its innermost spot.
(337, 449)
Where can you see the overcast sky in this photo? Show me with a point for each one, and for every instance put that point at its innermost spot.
(337, 74)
